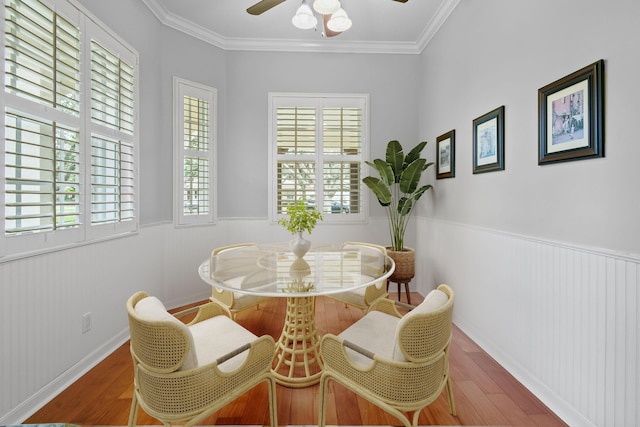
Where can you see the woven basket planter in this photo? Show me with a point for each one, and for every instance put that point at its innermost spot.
(405, 264)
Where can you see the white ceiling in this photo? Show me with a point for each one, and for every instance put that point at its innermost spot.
(379, 26)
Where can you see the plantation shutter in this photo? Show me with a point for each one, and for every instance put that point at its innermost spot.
(296, 147)
(318, 145)
(42, 155)
(342, 136)
(42, 56)
(42, 181)
(69, 122)
(112, 180)
(194, 145)
(111, 90)
(112, 158)
(196, 136)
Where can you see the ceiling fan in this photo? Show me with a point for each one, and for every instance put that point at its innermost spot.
(264, 5)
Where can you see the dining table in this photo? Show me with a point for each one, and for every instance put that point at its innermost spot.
(272, 270)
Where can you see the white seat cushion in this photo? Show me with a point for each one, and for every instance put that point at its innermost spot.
(378, 332)
(210, 339)
(218, 336)
(152, 309)
(374, 332)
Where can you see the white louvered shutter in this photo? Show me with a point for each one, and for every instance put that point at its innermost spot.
(318, 148)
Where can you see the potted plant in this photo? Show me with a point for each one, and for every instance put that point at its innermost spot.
(398, 189)
(300, 217)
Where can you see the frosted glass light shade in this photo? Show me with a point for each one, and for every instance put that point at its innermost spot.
(339, 21)
(326, 7)
(304, 17)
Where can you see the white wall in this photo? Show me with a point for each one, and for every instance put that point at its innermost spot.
(243, 179)
(498, 52)
(545, 259)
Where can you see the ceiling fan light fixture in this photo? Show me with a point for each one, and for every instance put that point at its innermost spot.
(326, 7)
(304, 17)
(339, 21)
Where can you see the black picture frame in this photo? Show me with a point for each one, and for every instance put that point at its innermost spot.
(488, 141)
(446, 155)
(571, 116)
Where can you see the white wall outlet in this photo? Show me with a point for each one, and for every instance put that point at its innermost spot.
(86, 322)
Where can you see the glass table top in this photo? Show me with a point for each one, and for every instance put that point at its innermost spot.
(273, 270)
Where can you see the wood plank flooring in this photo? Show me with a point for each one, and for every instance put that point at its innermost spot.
(485, 394)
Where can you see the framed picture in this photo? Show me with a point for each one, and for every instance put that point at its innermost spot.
(571, 116)
(446, 155)
(488, 142)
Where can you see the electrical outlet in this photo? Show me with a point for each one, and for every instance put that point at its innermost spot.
(86, 322)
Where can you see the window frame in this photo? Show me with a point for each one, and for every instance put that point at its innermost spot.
(90, 28)
(181, 88)
(319, 100)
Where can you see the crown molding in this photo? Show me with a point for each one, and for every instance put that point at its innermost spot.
(323, 45)
(442, 14)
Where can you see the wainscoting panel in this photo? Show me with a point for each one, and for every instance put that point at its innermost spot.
(562, 319)
(43, 298)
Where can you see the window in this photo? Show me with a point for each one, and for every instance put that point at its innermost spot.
(318, 146)
(69, 164)
(194, 142)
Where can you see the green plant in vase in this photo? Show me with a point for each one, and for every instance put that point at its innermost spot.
(300, 218)
(398, 189)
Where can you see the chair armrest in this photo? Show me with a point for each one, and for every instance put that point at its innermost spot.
(207, 311)
(224, 296)
(405, 305)
(232, 353)
(375, 291)
(385, 305)
(185, 312)
(335, 350)
(357, 348)
(260, 353)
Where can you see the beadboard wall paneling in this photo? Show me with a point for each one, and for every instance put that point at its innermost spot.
(562, 319)
(43, 300)
(44, 297)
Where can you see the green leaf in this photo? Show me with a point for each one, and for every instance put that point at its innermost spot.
(385, 171)
(380, 189)
(370, 164)
(300, 218)
(395, 158)
(420, 192)
(404, 206)
(414, 153)
(411, 176)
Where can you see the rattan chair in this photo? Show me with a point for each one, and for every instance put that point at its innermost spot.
(234, 302)
(362, 298)
(183, 373)
(400, 364)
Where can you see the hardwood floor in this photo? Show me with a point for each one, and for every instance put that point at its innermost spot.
(485, 394)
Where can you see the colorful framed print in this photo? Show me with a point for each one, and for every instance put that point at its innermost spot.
(488, 142)
(571, 116)
(446, 155)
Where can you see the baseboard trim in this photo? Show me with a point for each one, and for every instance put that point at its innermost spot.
(60, 383)
(556, 404)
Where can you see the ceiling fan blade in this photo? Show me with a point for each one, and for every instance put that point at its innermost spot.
(263, 6)
(327, 31)
(401, 1)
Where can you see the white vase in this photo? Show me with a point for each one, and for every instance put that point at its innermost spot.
(299, 246)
